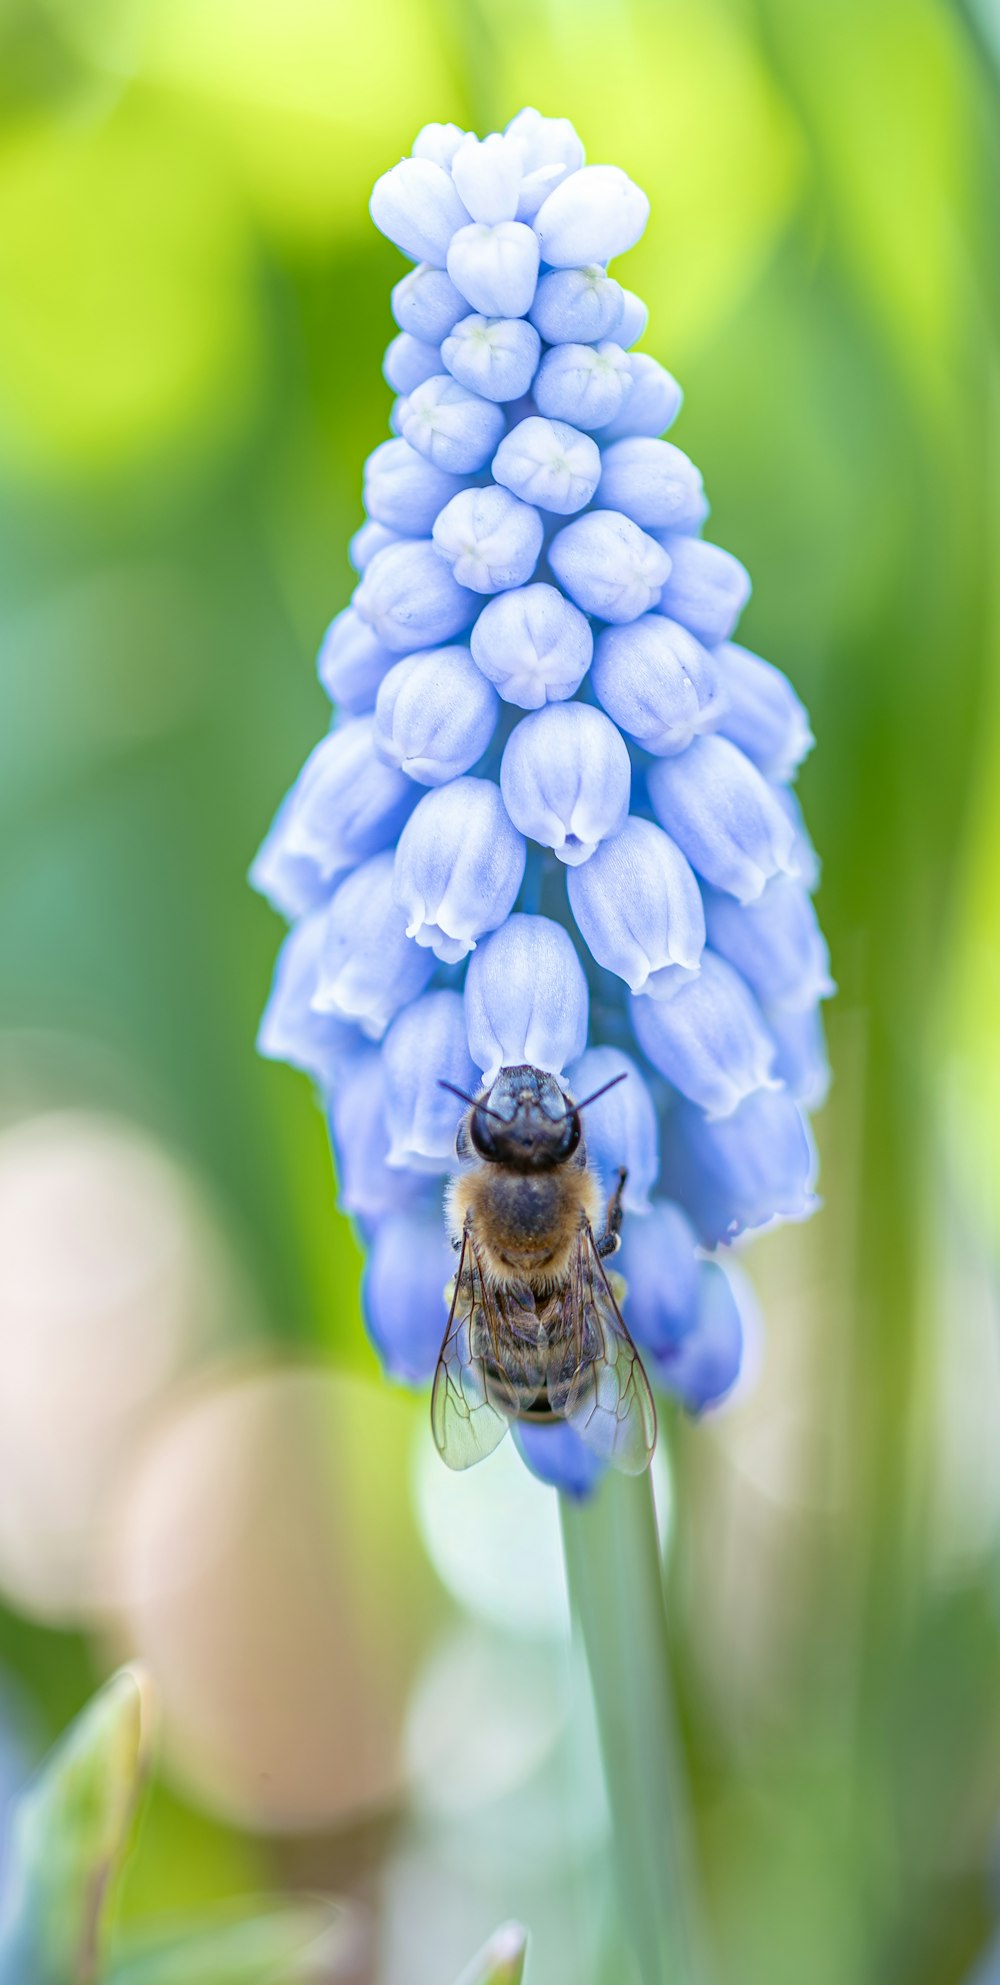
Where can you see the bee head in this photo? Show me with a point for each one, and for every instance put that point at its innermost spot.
(525, 1120)
(528, 1122)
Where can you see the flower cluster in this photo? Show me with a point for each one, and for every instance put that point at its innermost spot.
(552, 820)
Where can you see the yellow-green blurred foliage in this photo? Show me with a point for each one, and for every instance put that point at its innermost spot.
(193, 306)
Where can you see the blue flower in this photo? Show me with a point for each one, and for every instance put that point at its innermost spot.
(552, 821)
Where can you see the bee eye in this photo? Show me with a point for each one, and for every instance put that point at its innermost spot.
(482, 1136)
(572, 1135)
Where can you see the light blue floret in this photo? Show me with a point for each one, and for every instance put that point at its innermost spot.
(495, 268)
(586, 385)
(352, 660)
(654, 483)
(426, 1046)
(456, 430)
(426, 304)
(533, 544)
(404, 490)
(368, 967)
(490, 539)
(533, 645)
(548, 463)
(707, 588)
(709, 1038)
(345, 804)
(525, 998)
(608, 566)
(408, 362)
(574, 306)
(728, 820)
(658, 1262)
(459, 866)
(638, 907)
(435, 714)
(621, 1126)
(566, 778)
(658, 683)
(409, 598)
(653, 404)
(495, 356)
(402, 1292)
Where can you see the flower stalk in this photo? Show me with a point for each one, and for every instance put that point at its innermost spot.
(616, 1592)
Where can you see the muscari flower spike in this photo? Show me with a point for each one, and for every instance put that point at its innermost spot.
(552, 819)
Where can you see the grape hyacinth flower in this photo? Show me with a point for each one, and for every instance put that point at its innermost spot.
(552, 820)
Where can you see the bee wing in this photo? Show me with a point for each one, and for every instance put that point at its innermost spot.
(608, 1400)
(465, 1420)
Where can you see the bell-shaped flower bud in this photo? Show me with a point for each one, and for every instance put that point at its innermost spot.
(764, 715)
(775, 942)
(657, 682)
(352, 662)
(597, 213)
(577, 306)
(653, 404)
(435, 714)
(566, 777)
(403, 1293)
(368, 1188)
(404, 490)
(496, 268)
(488, 173)
(707, 589)
(658, 1261)
(654, 483)
(709, 1040)
(494, 356)
(408, 362)
(459, 866)
(410, 598)
(439, 142)
(365, 542)
(557, 1456)
(620, 1127)
(730, 823)
(426, 1046)
(548, 463)
(550, 151)
(525, 999)
(586, 385)
(416, 205)
(490, 539)
(608, 566)
(290, 1030)
(801, 1060)
(344, 805)
(426, 304)
(633, 321)
(638, 907)
(533, 645)
(705, 1364)
(456, 430)
(743, 1171)
(368, 966)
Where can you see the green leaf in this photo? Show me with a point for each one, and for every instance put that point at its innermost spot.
(265, 1944)
(501, 1960)
(68, 1834)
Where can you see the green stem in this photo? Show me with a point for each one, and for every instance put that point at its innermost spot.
(616, 1590)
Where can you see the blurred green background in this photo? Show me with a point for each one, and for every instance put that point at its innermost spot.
(194, 1457)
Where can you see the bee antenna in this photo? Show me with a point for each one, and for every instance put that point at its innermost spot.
(613, 1084)
(471, 1100)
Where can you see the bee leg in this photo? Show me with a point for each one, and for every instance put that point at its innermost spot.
(607, 1243)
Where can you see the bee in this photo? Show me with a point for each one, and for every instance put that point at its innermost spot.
(535, 1333)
